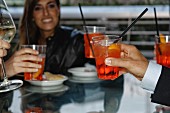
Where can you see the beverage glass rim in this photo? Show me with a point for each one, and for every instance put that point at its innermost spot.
(95, 26)
(97, 37)
(95, 29)
(34, 45)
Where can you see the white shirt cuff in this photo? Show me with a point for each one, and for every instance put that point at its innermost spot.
(151, 76)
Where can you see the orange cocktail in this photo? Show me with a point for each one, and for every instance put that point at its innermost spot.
(37, 75)
(88, 50)
(162, 50)
(42, 53)
(92, 31)
(106, 46)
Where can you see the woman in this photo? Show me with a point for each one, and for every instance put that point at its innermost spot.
(40, 25)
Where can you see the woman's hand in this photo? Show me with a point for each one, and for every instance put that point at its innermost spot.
(131, 61)
(23, 61)
(3, 46)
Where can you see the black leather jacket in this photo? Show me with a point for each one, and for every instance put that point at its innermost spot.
(65, 50)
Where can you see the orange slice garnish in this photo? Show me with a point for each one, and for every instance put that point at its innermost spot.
(113, 46)
(162, 38)
(35, 75)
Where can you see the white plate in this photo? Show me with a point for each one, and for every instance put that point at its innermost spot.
(83, 72)
(81, 80)
(84, 78)
(47, 82)
(52, 89)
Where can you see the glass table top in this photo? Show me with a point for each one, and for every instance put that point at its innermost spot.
(123, 95)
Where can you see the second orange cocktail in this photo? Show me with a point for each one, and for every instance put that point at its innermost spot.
(106, 46)
(92, 31)
(162, 50)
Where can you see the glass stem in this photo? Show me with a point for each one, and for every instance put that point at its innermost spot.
(3, 70)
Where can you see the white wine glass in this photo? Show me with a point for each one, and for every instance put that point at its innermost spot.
(7, 33)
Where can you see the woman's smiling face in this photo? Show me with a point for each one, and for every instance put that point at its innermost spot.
(46, 15)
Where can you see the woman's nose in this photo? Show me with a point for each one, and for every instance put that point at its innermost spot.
(45, 11)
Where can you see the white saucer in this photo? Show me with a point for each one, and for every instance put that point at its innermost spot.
(83, 72)
(84, 80)
(48, 82)
(52, 89)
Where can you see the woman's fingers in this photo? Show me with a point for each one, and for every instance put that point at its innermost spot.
(24, 60)
(3, 46)
(22, 69)
(28, 65)
(3, 52)
(27, 57)
(26, 51)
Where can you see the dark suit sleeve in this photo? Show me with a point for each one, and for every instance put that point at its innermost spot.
(162, 91)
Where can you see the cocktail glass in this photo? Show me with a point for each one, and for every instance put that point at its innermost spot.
(92, 31)
(106, 46)
(42, 53)
(162, 50)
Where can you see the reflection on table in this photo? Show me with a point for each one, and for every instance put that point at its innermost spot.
(5, 102)
(118, 96)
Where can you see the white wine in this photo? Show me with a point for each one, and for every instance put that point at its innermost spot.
(7, 33)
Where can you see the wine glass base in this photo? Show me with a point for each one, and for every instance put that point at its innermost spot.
(10, 85)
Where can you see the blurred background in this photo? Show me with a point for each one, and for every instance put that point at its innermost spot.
(99, 2)
(116, 15)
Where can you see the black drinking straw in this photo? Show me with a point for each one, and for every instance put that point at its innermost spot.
(84, 23)
(156, 22)
(157, 29)
(124, 32)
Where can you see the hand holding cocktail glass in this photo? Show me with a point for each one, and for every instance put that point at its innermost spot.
(38, 75)
(108, 46)
(131, 61)
(16, 64)
(105, 72)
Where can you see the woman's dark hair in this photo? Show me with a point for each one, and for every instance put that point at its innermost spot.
(27, 27)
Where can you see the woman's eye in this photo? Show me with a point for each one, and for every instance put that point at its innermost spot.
(37, 8)
(52, 5)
